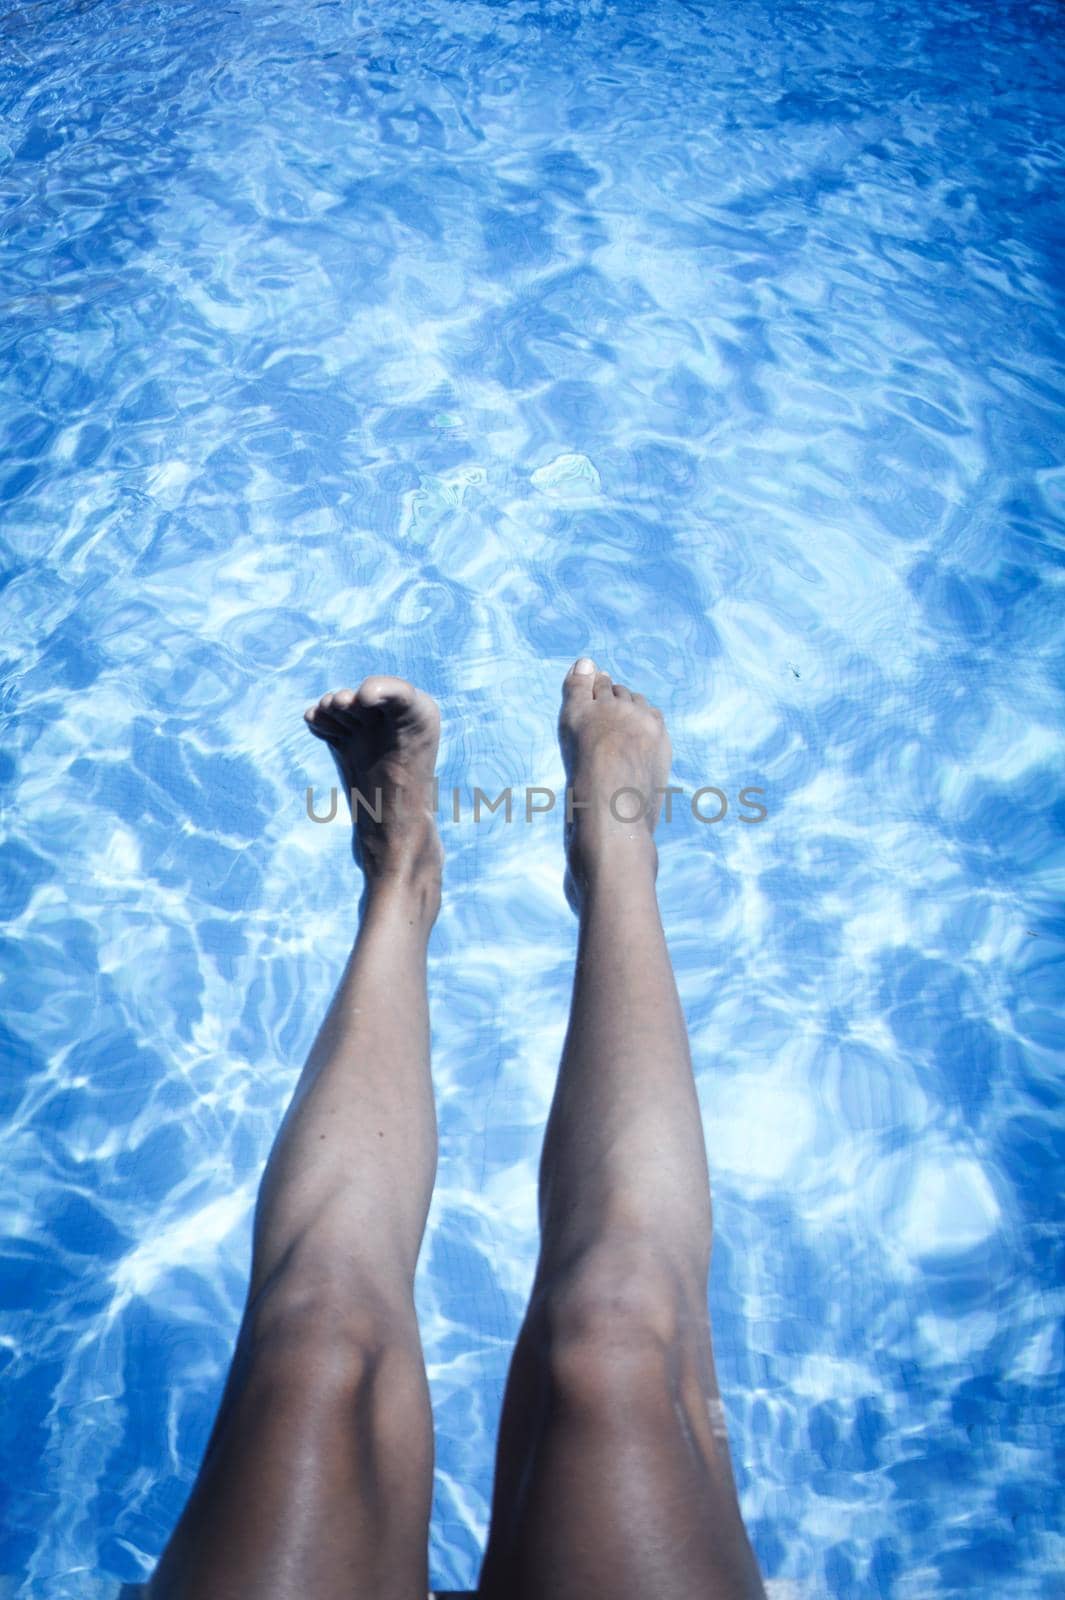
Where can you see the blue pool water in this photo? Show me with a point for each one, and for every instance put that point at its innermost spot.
(723, 341)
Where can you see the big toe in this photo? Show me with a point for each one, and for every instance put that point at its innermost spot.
(580, 679)
(382, 693)
(411, 712)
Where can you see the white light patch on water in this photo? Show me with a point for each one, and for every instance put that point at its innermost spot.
(820, 1377)
(1008, 749)
(957, 1339)
(167, 484)
(947, 1206)
(1043, 1354)
(759, 1126)
(570, 478)
(187, 1241)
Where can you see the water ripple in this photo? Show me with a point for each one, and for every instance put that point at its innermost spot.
(718, 342)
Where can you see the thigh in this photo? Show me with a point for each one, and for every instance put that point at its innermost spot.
(317, 1480)
(613, 1478)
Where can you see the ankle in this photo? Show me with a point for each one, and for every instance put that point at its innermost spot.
(625, 867)
(410, 893)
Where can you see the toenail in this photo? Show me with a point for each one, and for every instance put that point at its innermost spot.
(584, 665)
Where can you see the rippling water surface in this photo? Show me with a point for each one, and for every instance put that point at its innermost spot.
(722, 341)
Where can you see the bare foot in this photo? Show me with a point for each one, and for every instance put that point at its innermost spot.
(617, 755)
(384, 736)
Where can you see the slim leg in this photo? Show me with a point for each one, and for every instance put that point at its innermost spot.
(317, 1480)
(613, 1473)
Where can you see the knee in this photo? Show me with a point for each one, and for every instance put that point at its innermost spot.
(320, 1338)
(611, 1322)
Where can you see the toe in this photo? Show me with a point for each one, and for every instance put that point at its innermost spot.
(621, 693)
(336, 702)
(580, 679)
(380, 693)
(603, 685)
(406, 708)
(321, 723)
(645, 705)
(344, 708)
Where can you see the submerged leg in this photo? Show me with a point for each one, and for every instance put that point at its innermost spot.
(613, 1473)
(317, 1478)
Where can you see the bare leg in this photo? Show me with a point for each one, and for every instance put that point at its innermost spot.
(613, 1473)
(318, 1475)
